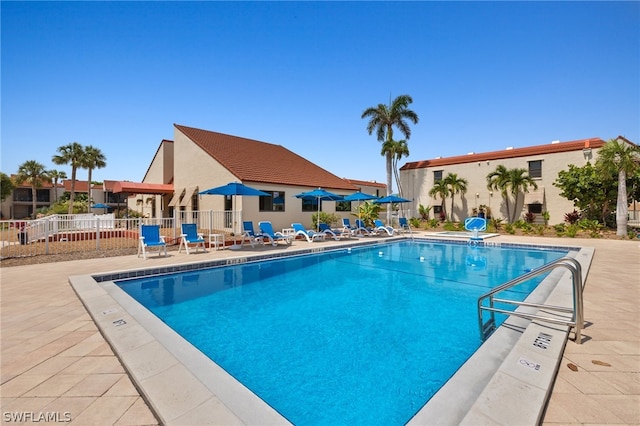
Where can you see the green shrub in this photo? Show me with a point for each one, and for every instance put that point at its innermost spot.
(414, 222)
(496, 223)
(450, 226)
(433, 223)
(510, 228)
(560, 228)
(539, 228)
(572, 230)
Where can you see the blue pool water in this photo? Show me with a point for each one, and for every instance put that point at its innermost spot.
(364, 336)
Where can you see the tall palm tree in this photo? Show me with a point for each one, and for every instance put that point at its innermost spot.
(519, 182)
(623, 158)
(440, 189)
(35, 174)
(398, 149)
(72, 154)
(93, 159)
(498, 180)
(55, 175)
(383, 118)
(456, 185)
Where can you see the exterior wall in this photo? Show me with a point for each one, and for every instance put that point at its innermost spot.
(18, 207)
(418, 182)
(160, 171)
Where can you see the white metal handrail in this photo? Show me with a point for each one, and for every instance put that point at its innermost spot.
(577, 319)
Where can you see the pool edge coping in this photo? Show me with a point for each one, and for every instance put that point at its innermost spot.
(109, 308)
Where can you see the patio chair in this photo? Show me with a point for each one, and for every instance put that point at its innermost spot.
(309, 235)
(190, 236)
(363, 229)
(347, 227)
(150, 237)
(336, 234)
(250, 235)
(382, 228)
(266, 229)
(404, 225)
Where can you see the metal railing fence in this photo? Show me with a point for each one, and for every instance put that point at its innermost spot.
(58, 234)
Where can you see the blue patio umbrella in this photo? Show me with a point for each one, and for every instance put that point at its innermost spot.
(320, 195)
(233, 189)
(391, 199)
(100, 206)
(359, 196)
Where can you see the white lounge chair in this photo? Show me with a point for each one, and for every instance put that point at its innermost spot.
(266, 229)
(309, 235)
(250, 235)
(382, 228)
(336, 234)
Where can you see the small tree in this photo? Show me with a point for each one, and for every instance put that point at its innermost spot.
(34, 174)
(624, 159)
(6, 186)
(455, 185)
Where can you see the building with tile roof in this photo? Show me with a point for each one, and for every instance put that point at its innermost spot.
(199, 159)
(543, 162)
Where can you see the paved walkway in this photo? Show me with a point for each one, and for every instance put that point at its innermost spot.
(56, 363)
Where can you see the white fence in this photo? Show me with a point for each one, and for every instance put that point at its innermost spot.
(58, 234)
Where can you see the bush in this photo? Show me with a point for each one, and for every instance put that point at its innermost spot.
(530, 217)
(572, 217)
(414, 222)
(510, 228)
(328, 218)
(450, 226)
(496, 223)
(560, 228)
(433, 223)
(539, 228)
(572, 230)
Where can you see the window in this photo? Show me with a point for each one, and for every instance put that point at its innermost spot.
(272, 203)
(43, 195)
(343, 206)
(437, 175)
(437, 210)
(535, 208)
(535, 169)
(311, 205)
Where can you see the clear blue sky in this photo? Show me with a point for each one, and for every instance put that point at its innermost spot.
(483, 76)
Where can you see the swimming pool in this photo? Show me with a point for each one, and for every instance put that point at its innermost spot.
(347, 336)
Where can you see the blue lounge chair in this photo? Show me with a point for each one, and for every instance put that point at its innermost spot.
(150, 237)
(346, 226)
(310, 236)
(404, 225)
(382, 228)
(250, 235)
(190, 236)
(266, 229)
(336, 234)
(363, 229)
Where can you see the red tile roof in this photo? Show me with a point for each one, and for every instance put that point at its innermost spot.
(366, 183)
(255, 161)
(551, 148)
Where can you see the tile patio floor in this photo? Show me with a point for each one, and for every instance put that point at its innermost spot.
(54, 360)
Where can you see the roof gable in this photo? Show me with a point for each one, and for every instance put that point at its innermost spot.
(255, 161)
(552, 148)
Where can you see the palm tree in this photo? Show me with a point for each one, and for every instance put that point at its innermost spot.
(440, 189)
(383, 118)
(398, 149)
(519, 181)
(34, 173)
(72, 154)
(55, 175)
(93, 159)
(623, 158)
(455, 185)
(498, 180)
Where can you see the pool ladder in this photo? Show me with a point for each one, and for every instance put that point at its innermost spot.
(577, 319)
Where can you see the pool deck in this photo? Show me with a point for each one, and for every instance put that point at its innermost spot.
(55, 362)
